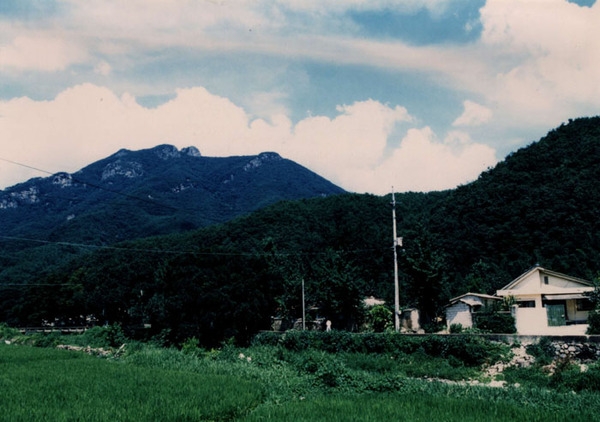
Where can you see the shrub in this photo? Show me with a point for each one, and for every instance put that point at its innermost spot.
(267, 338)
(530, 376)
(327, 369)
(543, 351)
(379, 318)
(594, 322)
(45, 339)
(496, 322)
(105, 336)
(456, 328)
(190, 347)
(7, 332)
(579, 381)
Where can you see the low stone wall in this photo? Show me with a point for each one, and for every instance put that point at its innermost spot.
(580, 351)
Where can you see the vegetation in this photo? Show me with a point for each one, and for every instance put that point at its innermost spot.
(46, 384)
(305, 377)
(539, 206)
(492, 321)
(594, 314)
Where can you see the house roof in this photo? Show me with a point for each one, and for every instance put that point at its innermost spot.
(525, 283)
(537, 268)
(466, 298)
(372, 301)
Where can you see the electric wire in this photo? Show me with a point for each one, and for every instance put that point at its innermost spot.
(148, 250)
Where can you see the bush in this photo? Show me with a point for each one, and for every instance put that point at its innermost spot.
(496, 322)
(543, 351)
(45, 339)
(468, 349)
(530, 376)
(7, 332)
(267, 338)
(327, 369)
(456, 328)
(190, 347)
(579, 381)
(106, 336)
(379, 318)
(594, 322)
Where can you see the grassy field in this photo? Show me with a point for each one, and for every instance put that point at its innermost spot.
(270, 383)
(53, 385)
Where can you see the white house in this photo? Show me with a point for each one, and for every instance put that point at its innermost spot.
(549, 303)
(461, 308)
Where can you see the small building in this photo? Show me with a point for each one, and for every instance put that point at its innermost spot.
(460, 310)
(547, 302)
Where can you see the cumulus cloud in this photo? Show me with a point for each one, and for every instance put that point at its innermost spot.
(473, 115)
(87, 122)
(548, 55)
(423, 163)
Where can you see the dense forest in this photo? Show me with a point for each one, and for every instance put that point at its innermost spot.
(134, 194)
(540, 205)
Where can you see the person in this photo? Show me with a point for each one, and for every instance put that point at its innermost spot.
(328, 324)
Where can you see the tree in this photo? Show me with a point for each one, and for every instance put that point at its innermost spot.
(379, 318)
(334, 289)
(594, 314)
(426, 267)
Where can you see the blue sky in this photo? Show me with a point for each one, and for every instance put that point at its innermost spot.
(420, 95)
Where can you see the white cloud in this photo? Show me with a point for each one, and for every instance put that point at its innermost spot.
(473, 115)
(38, 52)
(103, 68)
(549, 56)
(422, 163)
(86, 123)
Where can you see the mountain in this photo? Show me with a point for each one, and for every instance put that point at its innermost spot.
(155, 191)
(541, 205)
(133, 194)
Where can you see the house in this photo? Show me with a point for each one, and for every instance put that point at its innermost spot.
(547, 302)
(461, 308)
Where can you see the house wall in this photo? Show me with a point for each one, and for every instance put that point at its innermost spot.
(530, 320)
(459, 313)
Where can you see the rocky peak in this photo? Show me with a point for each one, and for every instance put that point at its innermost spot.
(129, 169)
(62, 179)
(262, 158)
(167, 151)
(191, 151)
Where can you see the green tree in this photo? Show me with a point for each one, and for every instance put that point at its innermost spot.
(594, 314)
(333, 287)
(380, 318)
(425, 264)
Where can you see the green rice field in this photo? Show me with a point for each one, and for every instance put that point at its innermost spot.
(265, 383)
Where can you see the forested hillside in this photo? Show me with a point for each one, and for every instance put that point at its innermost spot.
(133, 194)
(540, 205)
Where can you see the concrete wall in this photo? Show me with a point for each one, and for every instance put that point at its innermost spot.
(459, 313)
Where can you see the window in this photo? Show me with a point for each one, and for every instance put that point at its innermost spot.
(526, 303)
(584, 305)
(545, 279)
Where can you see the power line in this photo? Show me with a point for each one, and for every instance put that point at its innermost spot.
(174, 252)
(141, 199)
(85, 183)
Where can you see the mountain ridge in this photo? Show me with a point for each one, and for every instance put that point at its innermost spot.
(163, 181)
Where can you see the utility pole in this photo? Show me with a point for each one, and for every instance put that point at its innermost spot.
(397, 242)
(303, 309)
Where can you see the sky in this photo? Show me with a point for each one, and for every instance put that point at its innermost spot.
(373, 95)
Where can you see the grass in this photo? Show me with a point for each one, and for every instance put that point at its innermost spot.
(405, 407)
(272, 383)
(39, 384)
